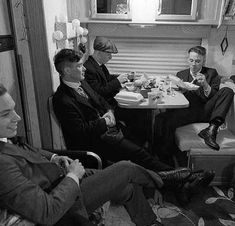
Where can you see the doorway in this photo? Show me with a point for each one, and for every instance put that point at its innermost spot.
(10, 72)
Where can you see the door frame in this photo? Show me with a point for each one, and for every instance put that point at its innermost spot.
(41, 72)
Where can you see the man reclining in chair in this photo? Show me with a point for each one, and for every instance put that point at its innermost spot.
(48, 189)
(208, 103)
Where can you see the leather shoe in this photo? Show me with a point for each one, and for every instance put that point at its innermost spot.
(197, 181)
(209, 136)
(204, 178)
(175, 177)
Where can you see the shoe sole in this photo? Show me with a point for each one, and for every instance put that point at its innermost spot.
(201, 182)
(208, 144)
(194, 187)
(201, 135)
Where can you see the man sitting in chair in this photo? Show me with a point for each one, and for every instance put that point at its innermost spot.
(108, 85)
(207, 104)
(48, 189)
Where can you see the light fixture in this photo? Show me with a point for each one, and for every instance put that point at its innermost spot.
(65, 31)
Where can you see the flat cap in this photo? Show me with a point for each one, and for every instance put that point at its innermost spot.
(105, 45)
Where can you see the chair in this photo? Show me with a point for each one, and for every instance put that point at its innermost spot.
(201, 156)
(59, 144)
(11, 219)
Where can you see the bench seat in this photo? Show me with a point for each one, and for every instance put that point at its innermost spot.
(200, 156)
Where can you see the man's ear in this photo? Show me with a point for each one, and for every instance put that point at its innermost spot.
(67, 70)
(204, 61)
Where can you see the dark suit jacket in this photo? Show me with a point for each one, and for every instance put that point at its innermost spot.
(212, 78)
(28, 182)
(81, 123)
(101, 80)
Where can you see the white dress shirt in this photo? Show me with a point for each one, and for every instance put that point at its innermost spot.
(207, 90)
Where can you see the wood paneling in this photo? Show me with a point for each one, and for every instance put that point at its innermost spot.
(35, 24)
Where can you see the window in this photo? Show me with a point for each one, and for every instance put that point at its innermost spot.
(154, 56)
(111, 9)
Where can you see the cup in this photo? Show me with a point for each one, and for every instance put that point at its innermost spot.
(131, 76)
(155, 97)
(154, 90)
(144, 92)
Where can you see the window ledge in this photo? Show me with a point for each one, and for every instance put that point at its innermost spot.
(105, 21)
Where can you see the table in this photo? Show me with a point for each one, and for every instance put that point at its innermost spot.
(177, 100)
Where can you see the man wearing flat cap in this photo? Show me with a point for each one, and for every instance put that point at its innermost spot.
(98, 76)
(108, 85)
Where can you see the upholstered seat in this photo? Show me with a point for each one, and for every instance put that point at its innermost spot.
(187, 138)
(203, 157)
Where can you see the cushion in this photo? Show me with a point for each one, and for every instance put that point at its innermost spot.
(187, 137)
(228, 84)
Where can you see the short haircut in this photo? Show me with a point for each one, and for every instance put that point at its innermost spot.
(64, 57)
(3, 90)
(198, 49)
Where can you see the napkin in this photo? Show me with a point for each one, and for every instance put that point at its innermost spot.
(128, 97)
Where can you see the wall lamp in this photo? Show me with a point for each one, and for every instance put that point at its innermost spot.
(65, 31)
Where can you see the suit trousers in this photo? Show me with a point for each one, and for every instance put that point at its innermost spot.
(136, 121)
(121, 183)
(198, 111)
(127, 150)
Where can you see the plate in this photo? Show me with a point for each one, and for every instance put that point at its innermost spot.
(190, 86)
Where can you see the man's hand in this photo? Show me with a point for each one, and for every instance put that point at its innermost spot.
(182, 90)
(157, 199)
(62, 161)
(122, 78)
(201, 79)
(109, 118)
(76, 168)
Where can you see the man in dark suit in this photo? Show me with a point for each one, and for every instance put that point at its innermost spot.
(48, 189)
(97, 74)
(207, 104)
(108, 85)
(85, 117)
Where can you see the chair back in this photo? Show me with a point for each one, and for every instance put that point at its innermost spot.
(57, 135)
(87, 157)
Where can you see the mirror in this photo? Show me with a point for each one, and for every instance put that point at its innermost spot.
(176, 9)
(111, 9)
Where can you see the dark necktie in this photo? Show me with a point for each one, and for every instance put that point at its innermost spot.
(81, 92)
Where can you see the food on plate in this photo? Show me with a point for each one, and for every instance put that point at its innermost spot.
(141, 81)
(130, 86)
(138, 82)
(189, 86)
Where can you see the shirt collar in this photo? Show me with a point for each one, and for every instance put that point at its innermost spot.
(194, 76)
(73, 85)
(97, 61)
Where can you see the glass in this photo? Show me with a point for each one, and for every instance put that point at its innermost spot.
(176, 9)
(131, 76)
